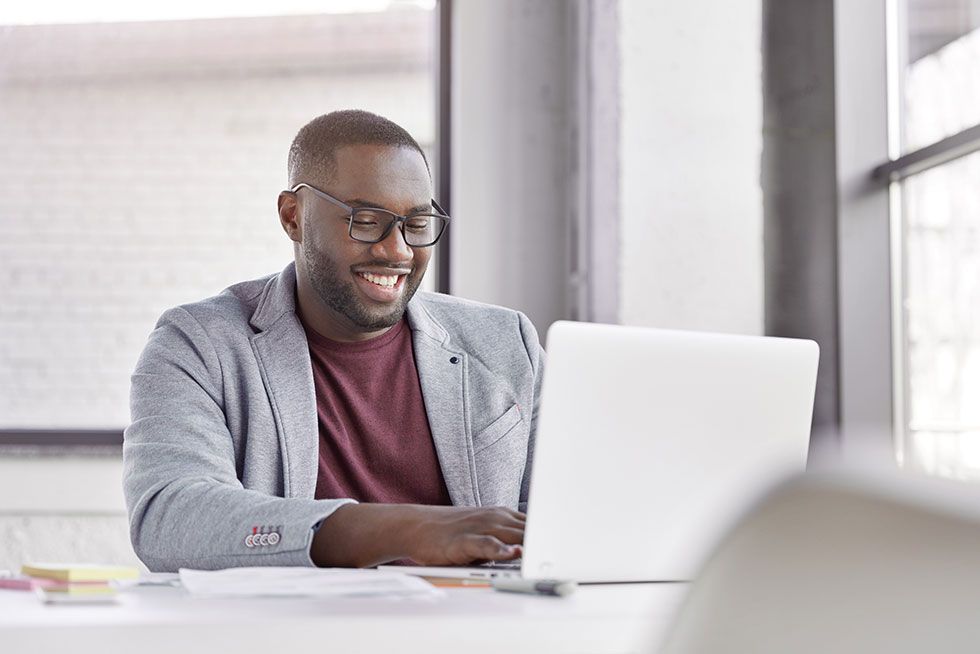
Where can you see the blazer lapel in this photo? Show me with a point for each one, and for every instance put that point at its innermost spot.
(443, 384)
(283, 355)
(282, 352)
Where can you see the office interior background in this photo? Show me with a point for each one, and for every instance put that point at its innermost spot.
(782, 167)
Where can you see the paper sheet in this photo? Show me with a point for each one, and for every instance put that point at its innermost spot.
(304, 582)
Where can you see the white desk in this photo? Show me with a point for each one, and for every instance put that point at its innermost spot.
(615, 618)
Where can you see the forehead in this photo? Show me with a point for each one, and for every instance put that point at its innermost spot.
(390, 175)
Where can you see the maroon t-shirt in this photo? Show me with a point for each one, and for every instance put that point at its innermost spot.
(375, 443)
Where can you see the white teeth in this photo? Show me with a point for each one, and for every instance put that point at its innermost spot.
(380, 280)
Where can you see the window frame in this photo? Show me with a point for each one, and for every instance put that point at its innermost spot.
(869, 62)
(58, 441)
(865, 233)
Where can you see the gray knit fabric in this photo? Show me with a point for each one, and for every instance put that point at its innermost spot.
(224, 440)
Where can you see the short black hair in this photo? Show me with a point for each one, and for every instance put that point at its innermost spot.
(312, 156)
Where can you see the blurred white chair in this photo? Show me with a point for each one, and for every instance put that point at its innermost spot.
(842, 564)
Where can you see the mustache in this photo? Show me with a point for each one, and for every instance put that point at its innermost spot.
(384, 265)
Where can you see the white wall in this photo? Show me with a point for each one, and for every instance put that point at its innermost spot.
(689, 112)
(511, 154)
(690, 146)
(62, 509)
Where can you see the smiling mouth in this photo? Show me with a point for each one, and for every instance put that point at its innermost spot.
(385, 281)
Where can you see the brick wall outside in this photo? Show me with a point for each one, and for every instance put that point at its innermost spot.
(127, 191)
(98, 538)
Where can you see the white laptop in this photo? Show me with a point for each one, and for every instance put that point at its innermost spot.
(649, 444)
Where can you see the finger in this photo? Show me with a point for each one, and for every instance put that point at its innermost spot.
(506, 513)
(519, 518)
(517, 515)
(489, 548)
(508, 535)
(509, 517)
(507, 523)
(485, 520)
(516, 551)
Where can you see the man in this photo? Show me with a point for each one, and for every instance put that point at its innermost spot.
(330, 415)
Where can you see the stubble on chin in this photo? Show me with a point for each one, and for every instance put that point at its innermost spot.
(340, 295)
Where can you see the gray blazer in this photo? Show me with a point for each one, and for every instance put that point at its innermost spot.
(224, 439)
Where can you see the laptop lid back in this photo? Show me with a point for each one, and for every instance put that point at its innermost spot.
(650, 442)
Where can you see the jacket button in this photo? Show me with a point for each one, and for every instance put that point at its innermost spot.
(453, 359)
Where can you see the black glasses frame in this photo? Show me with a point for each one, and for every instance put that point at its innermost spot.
(396, 218)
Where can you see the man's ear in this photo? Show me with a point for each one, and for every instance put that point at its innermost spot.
(289, 216)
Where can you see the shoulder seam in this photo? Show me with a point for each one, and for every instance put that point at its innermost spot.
(214, 350)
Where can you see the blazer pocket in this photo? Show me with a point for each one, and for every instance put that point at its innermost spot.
(497, 429)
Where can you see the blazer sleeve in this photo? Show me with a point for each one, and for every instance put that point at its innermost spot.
(187, 507)
(535, 354)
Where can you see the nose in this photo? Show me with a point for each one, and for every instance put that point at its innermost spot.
(393, 247)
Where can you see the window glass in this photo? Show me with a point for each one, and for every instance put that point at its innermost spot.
(941, 81)
(940, 253)
(141, 165)
(942, 307)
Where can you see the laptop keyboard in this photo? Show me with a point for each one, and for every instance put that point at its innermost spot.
(513, 564)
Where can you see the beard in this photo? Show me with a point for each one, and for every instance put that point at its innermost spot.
(337, 291)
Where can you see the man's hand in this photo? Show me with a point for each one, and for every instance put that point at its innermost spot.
(363, 535)
(445, 535)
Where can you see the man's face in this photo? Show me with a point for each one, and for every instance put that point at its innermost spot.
(365, 286)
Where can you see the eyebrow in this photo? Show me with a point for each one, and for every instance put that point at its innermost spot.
(359, 202)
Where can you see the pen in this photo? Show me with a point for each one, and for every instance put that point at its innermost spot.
(553, 587)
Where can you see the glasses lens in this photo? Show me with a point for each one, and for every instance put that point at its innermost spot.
(423, 229)
(371, 225)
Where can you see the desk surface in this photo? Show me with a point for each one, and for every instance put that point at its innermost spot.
(610, 618)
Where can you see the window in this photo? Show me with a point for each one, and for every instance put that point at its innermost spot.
(907, 141)
(938, 219)
(141, 163)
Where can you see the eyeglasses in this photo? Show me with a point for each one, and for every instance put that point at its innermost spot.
(372, 224)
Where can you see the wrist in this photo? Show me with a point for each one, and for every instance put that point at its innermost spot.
(407, 530)
(365, 535)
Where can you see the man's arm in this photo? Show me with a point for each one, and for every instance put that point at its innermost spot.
(365, 535)
(187, 506)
